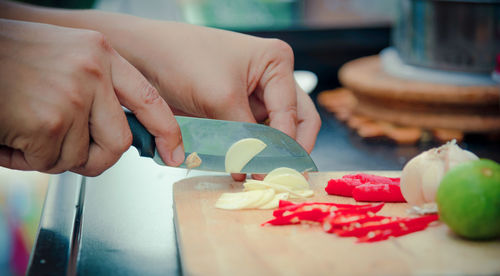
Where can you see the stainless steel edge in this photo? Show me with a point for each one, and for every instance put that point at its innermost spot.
(211, 139)
(56, 245)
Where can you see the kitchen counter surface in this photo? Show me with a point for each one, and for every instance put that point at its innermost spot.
(122, 221)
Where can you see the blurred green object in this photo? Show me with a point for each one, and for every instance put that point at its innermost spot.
(68, 4)
(242, 14)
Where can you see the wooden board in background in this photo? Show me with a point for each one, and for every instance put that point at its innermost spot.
(220, 242)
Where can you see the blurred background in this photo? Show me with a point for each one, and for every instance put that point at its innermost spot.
(398, 45)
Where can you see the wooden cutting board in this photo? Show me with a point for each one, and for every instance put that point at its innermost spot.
(220, 242)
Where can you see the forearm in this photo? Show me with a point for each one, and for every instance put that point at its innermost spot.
(113, 25)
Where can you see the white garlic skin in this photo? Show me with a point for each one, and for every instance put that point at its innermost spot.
(422, 175)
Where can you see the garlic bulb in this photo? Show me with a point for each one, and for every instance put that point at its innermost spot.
(422, 175)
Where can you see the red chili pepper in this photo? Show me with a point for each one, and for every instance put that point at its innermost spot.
(335, 223)
(287, 206)
(361, 209)
(372, 178)
(366, 187)
(394, 226)
(349, 220)
(342, 187)
(282, 203)
(378, 192)
(314, 215)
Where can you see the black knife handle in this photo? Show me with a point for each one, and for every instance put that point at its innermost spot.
(143, 141)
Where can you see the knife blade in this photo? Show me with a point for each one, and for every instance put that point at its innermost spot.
(211, 139)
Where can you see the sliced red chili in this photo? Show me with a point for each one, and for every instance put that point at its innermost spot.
(314, 215)
(349, 220)
(334, 223)
(341, 187)
(384, 235)
(282, 203)
(392, 227)
(372, 178)
(322, 205)
(378, 192)
(366, 187)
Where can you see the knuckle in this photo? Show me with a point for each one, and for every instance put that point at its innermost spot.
(123, 141)
(53, 123)
(75, 98)
(99, 40)
(171, 132)
(126, 141)
(81, 158)
(284, 50)
(149, 94)
(90, 63)
(46, 163)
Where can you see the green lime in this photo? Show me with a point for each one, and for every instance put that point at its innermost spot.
(468, 199)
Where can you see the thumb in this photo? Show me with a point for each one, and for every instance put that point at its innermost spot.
(140, 97)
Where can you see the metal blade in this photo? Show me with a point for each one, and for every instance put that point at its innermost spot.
(211, 139)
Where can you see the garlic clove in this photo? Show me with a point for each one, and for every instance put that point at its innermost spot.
(422, 175)
(241, 152)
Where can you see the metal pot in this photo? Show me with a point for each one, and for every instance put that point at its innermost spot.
(458, 35)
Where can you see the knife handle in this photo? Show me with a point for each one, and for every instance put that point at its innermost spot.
(142, 140)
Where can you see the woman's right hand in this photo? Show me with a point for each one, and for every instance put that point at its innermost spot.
(61, 92)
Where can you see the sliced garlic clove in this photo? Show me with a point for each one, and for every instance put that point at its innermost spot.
(193, 160)
(241, 200)
(292, 181)
(241, 152)
(253, 184)
(267, 195)
(273, 203)
(293, 193)
(282, 170)
(302, 194)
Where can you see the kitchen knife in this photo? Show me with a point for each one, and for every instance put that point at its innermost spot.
(211, 139)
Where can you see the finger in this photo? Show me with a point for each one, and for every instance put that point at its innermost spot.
(13, 159)
(75, 146)
(139, 96)
(108, 130)
(258, 176)
(280, 99)
(309, 122)
(239, 176)
(258, 108)
(43, 150)
(238, 109)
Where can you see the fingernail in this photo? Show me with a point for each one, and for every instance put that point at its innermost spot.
(178, 155)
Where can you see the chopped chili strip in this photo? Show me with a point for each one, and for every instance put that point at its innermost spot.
(289, 206)
(378, 192)
(342, 187)
(282, 203)
(339, 221)
(349, 220)
(315, 215)
(366, 187)
(395, 227)
(372, 178)
(373, 208)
